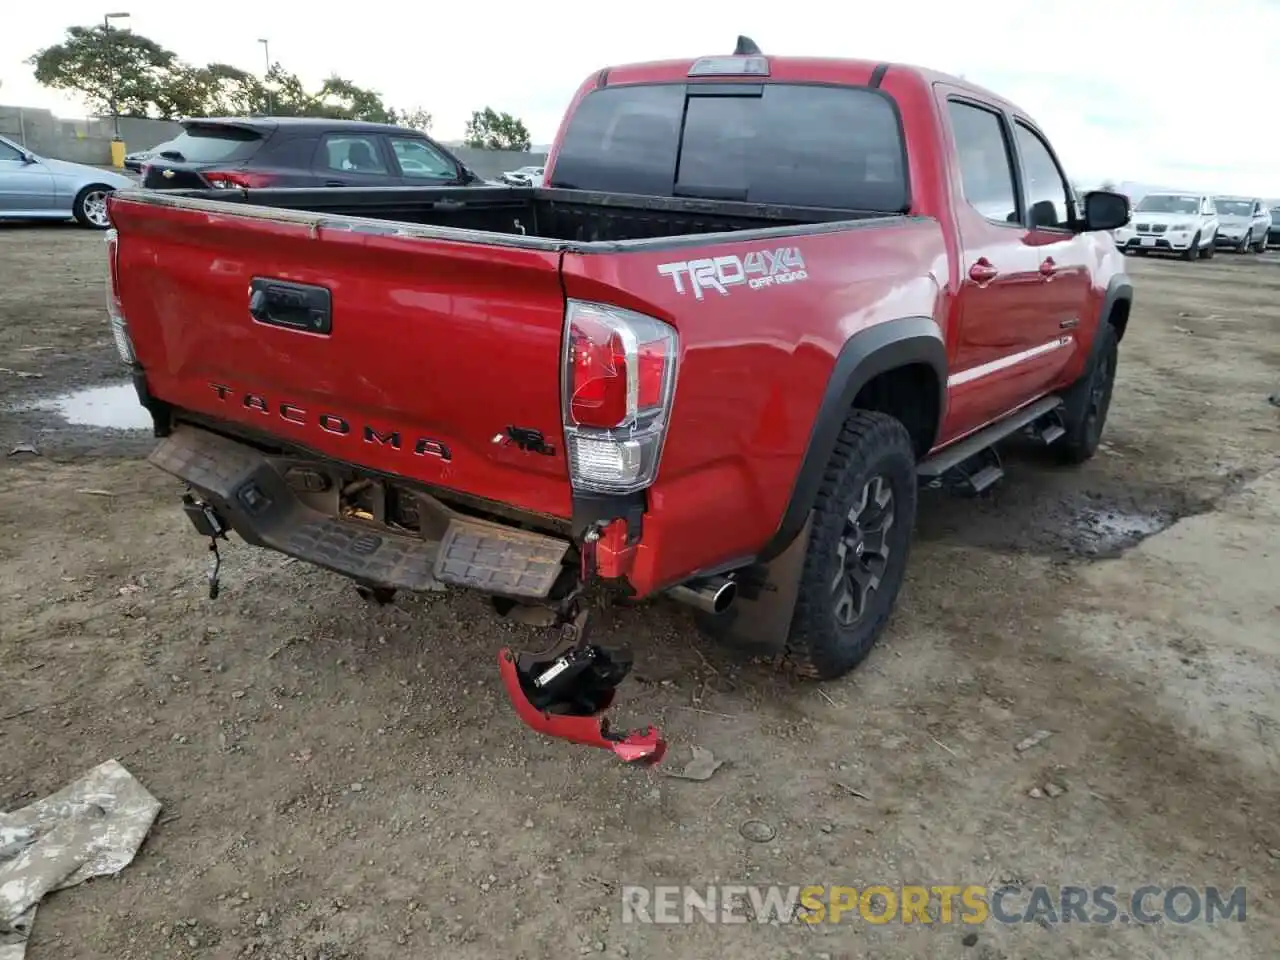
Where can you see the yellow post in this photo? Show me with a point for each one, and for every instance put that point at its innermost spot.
(117, 154)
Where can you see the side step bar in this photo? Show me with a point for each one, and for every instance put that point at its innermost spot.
(933, 468)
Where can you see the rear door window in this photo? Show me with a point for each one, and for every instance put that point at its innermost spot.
(352, 154)
(986, 162)
(213, 143)
(789, 144)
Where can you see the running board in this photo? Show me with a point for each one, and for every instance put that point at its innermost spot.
(984, 479)
(1051, 433)
(950, 457)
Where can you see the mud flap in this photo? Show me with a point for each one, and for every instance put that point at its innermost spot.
(760, 618)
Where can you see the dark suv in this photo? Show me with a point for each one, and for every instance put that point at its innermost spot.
(301, 152)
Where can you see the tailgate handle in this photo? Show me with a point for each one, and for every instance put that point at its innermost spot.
(294, 306)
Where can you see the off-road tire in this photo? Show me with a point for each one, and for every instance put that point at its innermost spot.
(1246, 243)
(1193, 250)
(871, 445)
(1209, 252)
(1086, 402)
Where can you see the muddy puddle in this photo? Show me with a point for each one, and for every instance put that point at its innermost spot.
(112, 407)
(1041, 514)
(1100, 531)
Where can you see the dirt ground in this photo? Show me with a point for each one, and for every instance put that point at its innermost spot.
(345, 781)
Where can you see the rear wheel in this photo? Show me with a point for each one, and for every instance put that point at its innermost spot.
(90, 206)
(857, 552)
(1087, 401)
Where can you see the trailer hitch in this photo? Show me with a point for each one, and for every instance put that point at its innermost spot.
(565, 691)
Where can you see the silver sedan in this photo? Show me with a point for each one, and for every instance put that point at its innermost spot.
(35, 188)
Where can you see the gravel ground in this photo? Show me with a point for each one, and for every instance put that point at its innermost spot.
(346, 781)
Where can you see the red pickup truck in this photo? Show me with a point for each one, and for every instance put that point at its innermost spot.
(757, 303)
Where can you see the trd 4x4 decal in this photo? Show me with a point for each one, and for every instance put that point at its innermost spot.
(759, 268)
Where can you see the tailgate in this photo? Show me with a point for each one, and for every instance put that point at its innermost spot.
(408, 355)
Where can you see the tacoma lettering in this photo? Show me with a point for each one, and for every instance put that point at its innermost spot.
(332, 423)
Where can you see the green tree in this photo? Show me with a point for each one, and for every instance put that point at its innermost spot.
(337, 98)
(342, 99)
(416, 119)
(109, 67)
(489, 130)
(144, 79)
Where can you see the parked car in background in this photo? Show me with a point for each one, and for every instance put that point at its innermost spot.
(1181, 223)
(37, 188)
(1273, 235)
(1243, 223)
(301, 152)
(524, 177)
(136, 160)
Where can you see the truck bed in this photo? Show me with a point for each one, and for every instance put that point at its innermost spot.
(529, 217)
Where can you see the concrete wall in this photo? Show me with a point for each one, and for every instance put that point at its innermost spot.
(80, 141)
(491, 164)
(89, 140)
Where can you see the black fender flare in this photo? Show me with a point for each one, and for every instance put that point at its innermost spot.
(864, 356)
(1119, 288)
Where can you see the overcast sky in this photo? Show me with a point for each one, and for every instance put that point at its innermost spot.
(1179, 93)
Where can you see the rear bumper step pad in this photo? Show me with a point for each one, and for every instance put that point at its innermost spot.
(253, 497)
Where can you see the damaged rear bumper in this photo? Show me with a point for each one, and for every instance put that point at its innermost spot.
(250, 491)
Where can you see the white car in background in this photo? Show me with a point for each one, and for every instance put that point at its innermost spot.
(1243, 223)
(1181, 223)
(524, 177)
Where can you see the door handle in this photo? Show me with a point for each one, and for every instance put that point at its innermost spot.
(335, 183)
(1048, 268)
(982, 271)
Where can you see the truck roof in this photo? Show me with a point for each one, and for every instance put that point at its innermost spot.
(808, 69)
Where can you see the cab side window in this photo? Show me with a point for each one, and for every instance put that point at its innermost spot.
(1047, 190)
(986, 167)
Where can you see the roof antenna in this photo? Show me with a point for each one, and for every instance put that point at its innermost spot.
(746, 48)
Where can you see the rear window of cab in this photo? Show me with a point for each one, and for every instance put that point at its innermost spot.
(799, 145)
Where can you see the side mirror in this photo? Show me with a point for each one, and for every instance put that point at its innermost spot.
(29, 158)
(1105, 210)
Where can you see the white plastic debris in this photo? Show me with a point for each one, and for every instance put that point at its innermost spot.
(91, 828)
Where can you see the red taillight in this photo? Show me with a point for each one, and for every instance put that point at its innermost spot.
(598, 374)
(619, 382)
(228, 179)
(651, 360)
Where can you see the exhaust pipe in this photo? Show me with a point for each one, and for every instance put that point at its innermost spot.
(710, 596)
